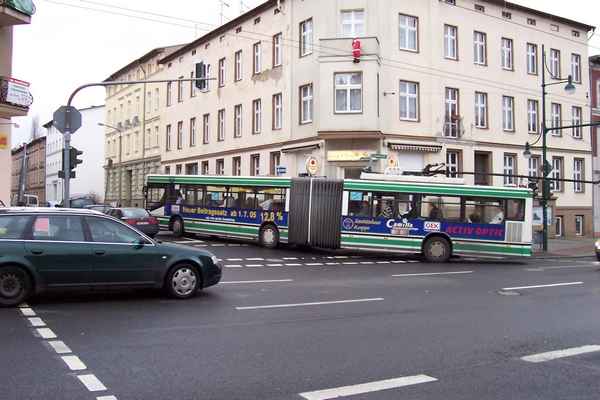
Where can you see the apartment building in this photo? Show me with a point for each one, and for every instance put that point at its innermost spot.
(133, 128)
(456, 82)
(595, 117)
(15, 98)
(34, 173)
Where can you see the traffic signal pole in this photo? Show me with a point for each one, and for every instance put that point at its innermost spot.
(67, 168)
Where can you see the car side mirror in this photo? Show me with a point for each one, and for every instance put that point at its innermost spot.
(139, 244)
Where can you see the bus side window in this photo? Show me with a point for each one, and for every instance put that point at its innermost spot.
(408, 206)
(359, 204)
(484, 211)
(515, 210)
(439, 208)
(383, 205)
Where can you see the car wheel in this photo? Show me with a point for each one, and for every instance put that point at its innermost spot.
(15, 286)
(437, 250)
(178, 229)
(269, 236)
(183, 281)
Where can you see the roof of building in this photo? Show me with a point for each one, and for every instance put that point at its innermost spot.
(34, 141)
(152, 53)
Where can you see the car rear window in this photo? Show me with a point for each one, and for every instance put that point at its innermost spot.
(13, 226)
(135, 213)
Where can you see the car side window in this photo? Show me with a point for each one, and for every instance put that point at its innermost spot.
(106, 231)
(13, 226)
(61, 228)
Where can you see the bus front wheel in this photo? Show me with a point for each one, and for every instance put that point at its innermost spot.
(178, 230)
(437, 250)
(269, 236)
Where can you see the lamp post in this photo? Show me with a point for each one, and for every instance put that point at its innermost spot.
(120, 158)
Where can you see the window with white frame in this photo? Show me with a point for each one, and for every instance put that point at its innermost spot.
(577, 130)
(479, 48)
(452, 116)
(180, 90)
(277, 50)
(306, 104)
(579, 227)
(221, 125)
(205, 128)
(306, 37)
(348, 92)
(257, 58)
(510, 166)
(508, 113)
(507, 54)
(532, 116)
(205, 168)
(236, 169)
(409, 33)
(555, 63)
(453, 163)
(156, 99)
(237, 121)
(534, 166)
(532, 59)
(178, 169)
(255, 165)
(557, 173)
(221, 72)
(558, 226)
(193, 88)
(256, 116)
(238, 66)
(576, 67)
(180, 135)
(451, 42)
(481, 112)
(556, 116)
(220, 167)
(169, 94)
(353, 23)
(192, 132)
(578, 174)
(409, 101)
(277, 111)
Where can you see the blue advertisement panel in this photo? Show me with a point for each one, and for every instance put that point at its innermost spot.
(243, 216)
(422, 227)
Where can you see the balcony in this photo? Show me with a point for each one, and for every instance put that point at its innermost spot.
(15, 98)
(16, 12)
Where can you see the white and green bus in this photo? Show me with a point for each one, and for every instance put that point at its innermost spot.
(436, 217)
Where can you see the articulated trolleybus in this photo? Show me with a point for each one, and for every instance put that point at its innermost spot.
(434, 216)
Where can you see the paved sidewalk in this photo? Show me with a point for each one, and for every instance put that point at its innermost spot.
(583, 247)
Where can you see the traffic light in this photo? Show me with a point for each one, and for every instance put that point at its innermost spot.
(533, 185)
(73, 162)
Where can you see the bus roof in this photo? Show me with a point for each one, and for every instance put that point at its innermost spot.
(263, 181)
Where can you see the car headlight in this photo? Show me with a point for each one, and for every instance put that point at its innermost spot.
(214, 260)
(597, 244)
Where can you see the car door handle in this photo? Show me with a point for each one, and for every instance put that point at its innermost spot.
(100, 252)
(37, 252)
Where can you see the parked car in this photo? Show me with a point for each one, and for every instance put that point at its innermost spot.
(138, 217)
(80, 202)
(43, 249)
(103, 208)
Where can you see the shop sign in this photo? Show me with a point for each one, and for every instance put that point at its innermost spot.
(17, 93)
(312, 165)
(347, 155)
(3, 141)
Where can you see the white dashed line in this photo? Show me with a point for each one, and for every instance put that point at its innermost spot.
(36, 322)
(350, 263)
(553, 355)
(106, 398)
(332, 263)
(59, 346)
(309, 304)
(543, 286)
(293, 265)
(340, 257)
(28, 312)
(433, 274)
(255, 265)
(235, 259)
(366, 262)
(92, 383)
(255, 259)
(398, 262)
(382, 262)
(274, 265)
(234, 266)
(74, 363)
(290, 258)
(313, 264)
(46, 333)
(370, 387)
(264, 281)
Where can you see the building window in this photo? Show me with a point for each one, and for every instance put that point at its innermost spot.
(577, 130)
(277, 111)
(193, 88)
(255, 165)
(169, 95)
(532, 59)
(578, 174)
(222, 72)
(409, 101)
(178, 169)
(348, 92)
(579, 225)
(451, 42)
(480, 48)
(506, 14)
(306, 104)
(205, 168)
(510, 166)
(277, 50)
(534, 167)
(555, 63)
(221, 125)
(257, 58)
(237, 121)
(557, 173)
(220, 167)
(554, 28)
(205, 128)
(531, 21)
(192, 132)
(275, 158)
(507, 54)
(191, 169)
(156, 98)
(180, 90)
(481, 111)
(306, 37)
(180, 135)
(238, 66)
(532, 116)
(236, 166)
(480, 8)
(452, 116)
(575, 33)
(556, 115)
(409, 33)
(204, 84)
(353, 23)
(256, 116)
(576, 67)
(453, 163)
(508, 113)
(558, 226)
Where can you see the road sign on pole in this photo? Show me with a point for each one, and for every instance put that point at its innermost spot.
(67, 119)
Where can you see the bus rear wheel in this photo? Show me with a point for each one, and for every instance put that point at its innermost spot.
(269, 236)
(178, 229)
(437, 250)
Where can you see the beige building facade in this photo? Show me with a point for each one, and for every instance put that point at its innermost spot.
(14, 94)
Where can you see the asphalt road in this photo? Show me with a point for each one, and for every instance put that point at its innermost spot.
(290, 324)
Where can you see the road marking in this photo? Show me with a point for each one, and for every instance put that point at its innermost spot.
(235, 259)
(234, 266)
(367, 387)
(264, 281)
(274, 265)
(383, 262)
(217, 245)
(188, 241)
(293, 265)
(46, 333)
(233, 245)
(433, 274)
(290, 258)
(92, 383)
(332, 263)
(255, 265)
(313, 264)
(74, 363)
(255, 259)
(367, 263)
(537, 269)
(544, 286)
(340, 257)
(27, 312)
(106, 398)
(319, 303)
(59, 346)
(553, 355)
(350, 263)
(36, 322)
(398, 262)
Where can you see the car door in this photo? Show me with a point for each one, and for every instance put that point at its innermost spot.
(122, 256)
(56, 247)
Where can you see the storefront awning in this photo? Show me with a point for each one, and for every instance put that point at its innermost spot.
(301, 148)
(420, 148)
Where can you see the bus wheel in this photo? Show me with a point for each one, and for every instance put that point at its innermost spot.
(437, 250)
(178, 229)
(269, 236)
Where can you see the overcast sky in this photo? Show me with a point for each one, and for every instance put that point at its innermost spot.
(67, 46)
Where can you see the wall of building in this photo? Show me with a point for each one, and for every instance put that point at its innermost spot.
(5, 129)
(595, 117)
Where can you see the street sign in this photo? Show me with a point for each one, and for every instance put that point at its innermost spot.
(378, 156)
(312, 165)
(281, 170)
(67, 118)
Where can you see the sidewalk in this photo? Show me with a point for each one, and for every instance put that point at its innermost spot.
(583, 247)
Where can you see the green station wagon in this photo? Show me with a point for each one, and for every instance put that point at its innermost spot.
(53, 248)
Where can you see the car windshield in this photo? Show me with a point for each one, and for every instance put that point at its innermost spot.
(134, 213)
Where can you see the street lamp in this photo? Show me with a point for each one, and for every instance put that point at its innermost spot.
(120, 158)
